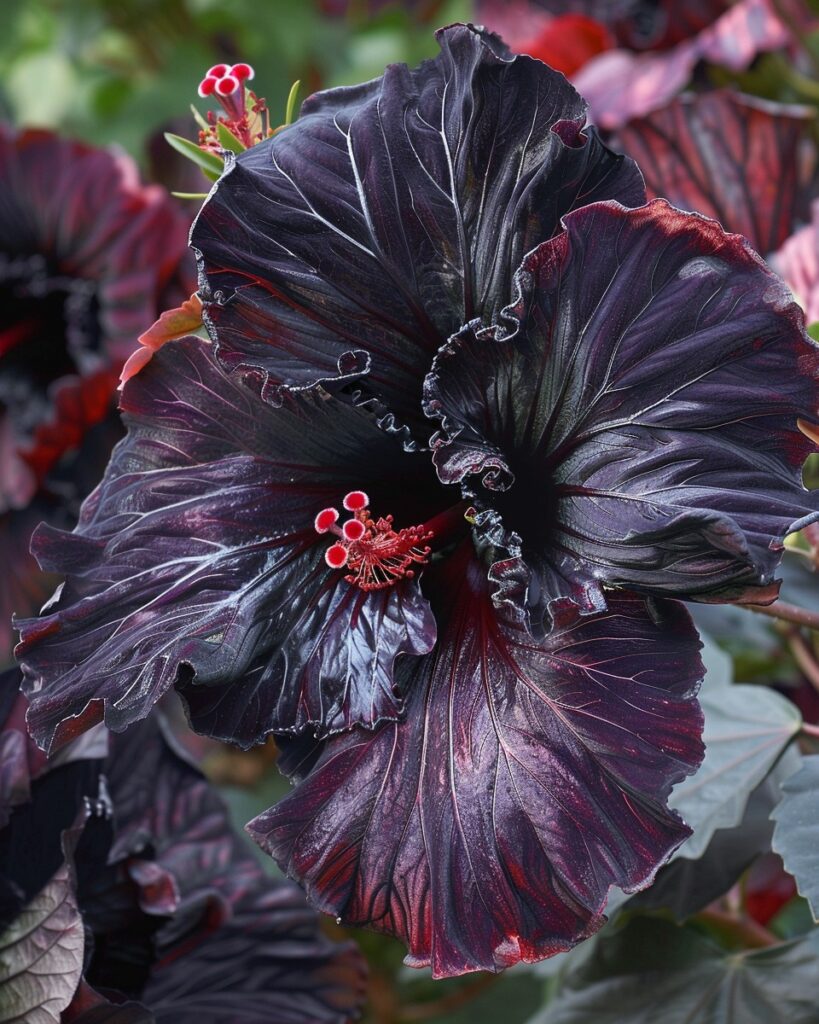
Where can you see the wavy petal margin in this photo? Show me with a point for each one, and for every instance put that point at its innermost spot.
(525, 779)
(196, 562)
(640, 423)
(390, 213)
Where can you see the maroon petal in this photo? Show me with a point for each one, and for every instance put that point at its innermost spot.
(640, 424)
(86, 213)
(526, 778)
(738, 159)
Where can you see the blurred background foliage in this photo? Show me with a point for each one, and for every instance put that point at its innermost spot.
(121, 71)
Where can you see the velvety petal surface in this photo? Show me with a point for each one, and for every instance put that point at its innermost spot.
(196, 562)
(526, 778)
(391, 213)
(636, 425)
(738, 159)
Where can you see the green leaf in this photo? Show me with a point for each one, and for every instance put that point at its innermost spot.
(796, 835)
(653, 970)
(201, 122)
(684, 886)
(290, 109)
(227, 140)
(746, 730)
(212, 165)
(813, 330)
(41, 955)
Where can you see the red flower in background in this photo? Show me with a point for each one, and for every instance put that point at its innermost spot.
(565, 43)
(89, 256)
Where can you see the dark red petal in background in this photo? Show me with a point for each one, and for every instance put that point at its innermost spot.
(567, 42)
(798, 262)
(738, 159)
(526, 778)
(85, 210)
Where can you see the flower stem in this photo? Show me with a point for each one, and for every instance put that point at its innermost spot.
(787, 612)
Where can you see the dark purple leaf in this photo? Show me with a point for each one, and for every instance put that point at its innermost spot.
(41, 955)
(636, 425)
(20, 759)
(391, 213)
(31, 848)
(196, 562)
(98, 1010)
(526, 778)
(257, 970)
(735, 158)
(239, 946)
(167, 815)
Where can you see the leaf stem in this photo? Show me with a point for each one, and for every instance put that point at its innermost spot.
(810, 730)
(747, 932)
(787, 612)
(804, 657)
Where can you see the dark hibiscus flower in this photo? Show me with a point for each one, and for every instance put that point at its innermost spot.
(612, 425)
(120, 874)
(88, 257)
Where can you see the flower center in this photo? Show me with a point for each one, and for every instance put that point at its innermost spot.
(374, 553)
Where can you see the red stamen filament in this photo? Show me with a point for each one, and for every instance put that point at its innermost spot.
(376, 555)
